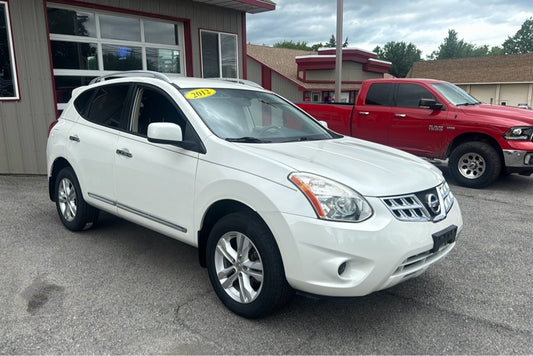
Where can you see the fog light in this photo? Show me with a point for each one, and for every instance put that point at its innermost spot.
(341, 269)
(528, 159)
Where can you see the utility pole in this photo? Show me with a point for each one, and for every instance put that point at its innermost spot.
(338, 53)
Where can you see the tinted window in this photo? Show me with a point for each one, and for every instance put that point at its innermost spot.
(74, 55)
(380, 94)
(107, 106)
(153, 106)
(83, 100)
(409, 95)
(71, 22)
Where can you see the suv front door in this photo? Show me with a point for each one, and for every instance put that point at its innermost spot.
(155, 183)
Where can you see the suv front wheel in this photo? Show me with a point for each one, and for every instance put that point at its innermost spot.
(245, 266)
(73, 211)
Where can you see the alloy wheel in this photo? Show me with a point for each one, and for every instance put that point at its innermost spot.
(239, 267)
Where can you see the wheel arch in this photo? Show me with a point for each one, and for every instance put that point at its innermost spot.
(474, 137)
(57, 166)
(215, 212)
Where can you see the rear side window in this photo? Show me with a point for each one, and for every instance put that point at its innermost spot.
(409, 95)
(83, 100)
(380, 94)
(104, 105)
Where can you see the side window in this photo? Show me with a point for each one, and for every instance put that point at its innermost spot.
(83, 101)
(379, 94)
(153, 106)
(106, 106)
(409, 95)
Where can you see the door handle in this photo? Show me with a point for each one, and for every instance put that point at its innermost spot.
(364, 113)
(124, 152)
(74, 138)
(400, 115)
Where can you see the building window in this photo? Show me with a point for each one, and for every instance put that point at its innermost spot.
(86, 44)
(219, 55)
(8, 74)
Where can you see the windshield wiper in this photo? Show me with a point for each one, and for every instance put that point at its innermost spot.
(247, 139)
(310, 138)
(468, 104)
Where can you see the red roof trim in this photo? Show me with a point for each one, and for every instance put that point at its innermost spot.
(258, 4)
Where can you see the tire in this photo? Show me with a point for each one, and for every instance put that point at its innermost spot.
(245, 266)
(475, 164)
(73, 211)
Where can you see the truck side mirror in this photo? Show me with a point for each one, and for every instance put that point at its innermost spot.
(430, 104)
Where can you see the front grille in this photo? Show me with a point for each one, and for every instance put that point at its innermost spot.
(407, 208)
(427, 205)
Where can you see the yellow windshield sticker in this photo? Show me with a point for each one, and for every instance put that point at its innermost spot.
(200, 93)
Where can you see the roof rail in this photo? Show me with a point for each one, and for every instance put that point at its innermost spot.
(240, 81)
(132, 73)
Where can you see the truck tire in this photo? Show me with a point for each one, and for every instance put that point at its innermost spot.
(475, 164)
(245, 266)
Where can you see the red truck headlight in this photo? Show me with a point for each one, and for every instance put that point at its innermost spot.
(519, 134)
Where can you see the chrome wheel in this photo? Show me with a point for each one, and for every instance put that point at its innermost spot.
(67, 199)
(238, 267)
(471, 165)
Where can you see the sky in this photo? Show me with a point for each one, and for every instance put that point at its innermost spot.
(368, 24)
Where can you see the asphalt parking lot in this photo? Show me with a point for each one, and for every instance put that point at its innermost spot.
(121, 289)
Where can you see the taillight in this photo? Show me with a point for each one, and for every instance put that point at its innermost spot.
(51, 126)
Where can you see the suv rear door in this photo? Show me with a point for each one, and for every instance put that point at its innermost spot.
(92, 140)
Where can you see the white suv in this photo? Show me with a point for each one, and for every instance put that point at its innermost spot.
(273, 200)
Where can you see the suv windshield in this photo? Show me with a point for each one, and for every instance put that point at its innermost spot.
(253, 116)
(455, 95)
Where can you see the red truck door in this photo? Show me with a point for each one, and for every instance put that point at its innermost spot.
(370, 120)
(418, 130)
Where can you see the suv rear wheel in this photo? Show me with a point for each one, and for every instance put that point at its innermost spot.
(73, 211)
(475, 164)
(245, 266)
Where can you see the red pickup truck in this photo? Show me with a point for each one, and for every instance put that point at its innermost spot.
(436, 119)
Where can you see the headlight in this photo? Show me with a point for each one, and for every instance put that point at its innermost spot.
(519, 133)
(332, 200)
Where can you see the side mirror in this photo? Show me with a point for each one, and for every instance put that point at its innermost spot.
(323, 123)
(164, 132)
(430, 104)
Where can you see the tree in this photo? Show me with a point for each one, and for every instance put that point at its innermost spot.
(293, 45)
(452, 47)
(333, 42)
(402, 56)
(522, 41)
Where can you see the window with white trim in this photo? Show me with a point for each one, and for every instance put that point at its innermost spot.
(8, 74)
(86, 44)
(219, 55)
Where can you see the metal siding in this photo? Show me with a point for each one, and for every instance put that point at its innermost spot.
(254, 71)
(286, 89)
(23, 124)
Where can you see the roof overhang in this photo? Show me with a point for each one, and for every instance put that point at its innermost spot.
(250, 6)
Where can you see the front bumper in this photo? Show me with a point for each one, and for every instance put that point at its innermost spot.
(355, 259)
(518, 160)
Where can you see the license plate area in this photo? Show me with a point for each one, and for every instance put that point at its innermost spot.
(443, 237)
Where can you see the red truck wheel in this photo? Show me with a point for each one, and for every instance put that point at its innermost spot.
(475, 164)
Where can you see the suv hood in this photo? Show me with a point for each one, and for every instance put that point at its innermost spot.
(511, 116)
(371, 169)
